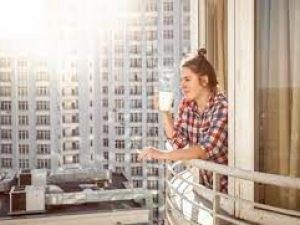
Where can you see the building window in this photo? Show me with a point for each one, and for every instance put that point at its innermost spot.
(136, 103)
(168, 34)
(5, 91)
(136, 131)
(43, 163)
(105, 155)
(105, 142)
(22, 91)
(5, 105)
(43, 135)
(136, 144)
(42, 91)
(6, 148)
(23, 120)
(23, 135)
(105, 129)
(6, 163)
(136, 171)
(120, 157)
(24, 163)
(120, 130)
(152, 132)
(119, 144)
(23, 149)
(5, 120)
(137, 183)
(119, 103)
(42, 105)
(168, 20)
(152, 184)
(134, 158)
(6, 134)
(43, 149)
(152, 117)
(136, 117)
(5, 76)
(119, 90)
(168, 6)
(23, 105)
(43, 120)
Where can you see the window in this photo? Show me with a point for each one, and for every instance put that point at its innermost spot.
(6, 148)
(43, 149)
(43, 120)
(105, 142)
(119, 144)
(23, 120)
(168, 6)
(168, 34)
(23, 134)
(120, 157)
(22, 91)
(136, 144)
(152, 184)
(42, 105)
(24, 163)
(152, 117)
(119, 103)
(265, 95)
(136, 103)
(152, 132)
(120, 130)
(42, 76)
(43, 163)
(5, 91)
(5, 105)
(136, 131)
(136, 171)
(136, 117)
(43, 134)
(23, 105)
(105, 129)
(119, 90)
(23, 149)
(5, 120)
(6, 163)
(42, 91)
(5, 76)
(105, 155)
(6, 134)
(137, 183)
(134, 158)
(168, 20)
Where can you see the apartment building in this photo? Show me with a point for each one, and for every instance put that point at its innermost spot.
(90, 101)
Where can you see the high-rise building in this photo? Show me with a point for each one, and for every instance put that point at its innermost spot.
(90, 101)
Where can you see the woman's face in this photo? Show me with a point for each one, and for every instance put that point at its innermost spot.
(192, 87)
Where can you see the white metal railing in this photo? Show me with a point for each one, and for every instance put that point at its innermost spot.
(218, 170)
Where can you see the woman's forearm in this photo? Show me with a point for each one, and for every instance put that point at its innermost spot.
(168, 124)
(193, 152)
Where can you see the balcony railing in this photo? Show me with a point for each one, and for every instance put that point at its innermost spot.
(186, 204)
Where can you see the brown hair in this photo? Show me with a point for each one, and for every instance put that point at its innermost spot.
(201, 66)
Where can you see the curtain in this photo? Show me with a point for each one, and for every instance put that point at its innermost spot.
(216, 27)
(277, 77)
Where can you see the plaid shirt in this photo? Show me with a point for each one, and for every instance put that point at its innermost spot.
(208, 129)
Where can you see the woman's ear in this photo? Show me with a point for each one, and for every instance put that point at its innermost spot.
(204, 81)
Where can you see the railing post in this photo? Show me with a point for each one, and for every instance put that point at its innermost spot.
(216, 198)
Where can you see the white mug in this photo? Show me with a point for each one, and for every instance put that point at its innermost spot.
(165, 100)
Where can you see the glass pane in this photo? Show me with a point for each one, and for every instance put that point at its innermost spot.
(277, 93)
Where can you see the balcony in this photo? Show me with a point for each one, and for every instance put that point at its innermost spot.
(188, 202)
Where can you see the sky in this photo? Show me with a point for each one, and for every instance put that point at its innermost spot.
(22, 19)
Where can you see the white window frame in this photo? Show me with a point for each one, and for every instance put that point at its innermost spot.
(241, 109)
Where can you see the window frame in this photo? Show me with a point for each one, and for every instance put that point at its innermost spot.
(241, 97)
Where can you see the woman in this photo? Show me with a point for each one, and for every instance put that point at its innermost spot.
(201, 126)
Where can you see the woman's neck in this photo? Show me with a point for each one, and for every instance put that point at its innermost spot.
(202, 100)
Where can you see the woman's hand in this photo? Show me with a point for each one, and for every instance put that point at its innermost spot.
(150, 153)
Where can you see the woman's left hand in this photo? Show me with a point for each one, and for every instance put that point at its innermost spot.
(150, 153)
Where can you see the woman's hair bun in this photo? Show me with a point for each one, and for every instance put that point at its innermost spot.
(202, 52)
